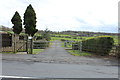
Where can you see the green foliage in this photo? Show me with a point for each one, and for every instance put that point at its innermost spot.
(78, 53)
(39, 38)
(46, 35)
(41, 45)
(63, 40)
(118, 51)
(30, 21)
(101, 45)
(16, 20)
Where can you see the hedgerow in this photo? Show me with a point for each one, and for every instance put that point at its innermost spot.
(98, 45)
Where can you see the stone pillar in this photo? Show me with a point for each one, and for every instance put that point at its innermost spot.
(15, 39)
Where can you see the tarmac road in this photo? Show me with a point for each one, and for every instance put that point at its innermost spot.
(52, 70)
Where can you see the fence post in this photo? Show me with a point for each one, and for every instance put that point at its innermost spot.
(31, 45)
(80, 46)
(27, 44)
(64, 44)
(14, 42)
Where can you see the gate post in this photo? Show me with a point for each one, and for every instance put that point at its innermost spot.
(31, 45)
(27, 44)
(80, 46)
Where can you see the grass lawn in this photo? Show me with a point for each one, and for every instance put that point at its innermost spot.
(36, 51)
(8, 52)
(78, 53)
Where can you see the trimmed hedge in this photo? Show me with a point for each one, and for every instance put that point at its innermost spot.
(118, 51)
(99, 45)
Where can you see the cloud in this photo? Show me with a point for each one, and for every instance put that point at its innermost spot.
(60, 15)
(80, 20)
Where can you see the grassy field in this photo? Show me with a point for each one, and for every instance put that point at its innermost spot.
(77, 38)
(59, 38)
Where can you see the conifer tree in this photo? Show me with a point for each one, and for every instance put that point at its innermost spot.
(16, 20)
(30, 21)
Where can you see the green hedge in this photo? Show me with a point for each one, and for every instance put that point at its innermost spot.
(63, 40)
(99, 45)
(41, 44)
(39, 38)
(118, 51)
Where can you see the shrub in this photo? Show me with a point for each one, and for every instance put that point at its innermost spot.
(118, 51)
(39, 38)
(41, 44)
(101, 45)
(67, 37)
(63, 40)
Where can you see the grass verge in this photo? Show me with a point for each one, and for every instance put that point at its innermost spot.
(36, 51)
(62, 44)
(9, 52)
(78, 53)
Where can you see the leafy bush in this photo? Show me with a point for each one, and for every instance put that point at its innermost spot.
(39, 38)
(41, 44)
(118, 51)
(46, 35)
(63, 40)
(67, 37)
(101, 45)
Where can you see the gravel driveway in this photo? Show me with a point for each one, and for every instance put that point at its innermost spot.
(57, 54)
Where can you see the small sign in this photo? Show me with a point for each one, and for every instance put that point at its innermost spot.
(30, 37)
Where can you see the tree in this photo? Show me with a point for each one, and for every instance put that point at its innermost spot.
(46, 34)
(30, 21)
(17, 28)
(16, 20)
(30, 24)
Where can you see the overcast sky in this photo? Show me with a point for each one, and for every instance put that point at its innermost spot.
(61, 15)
